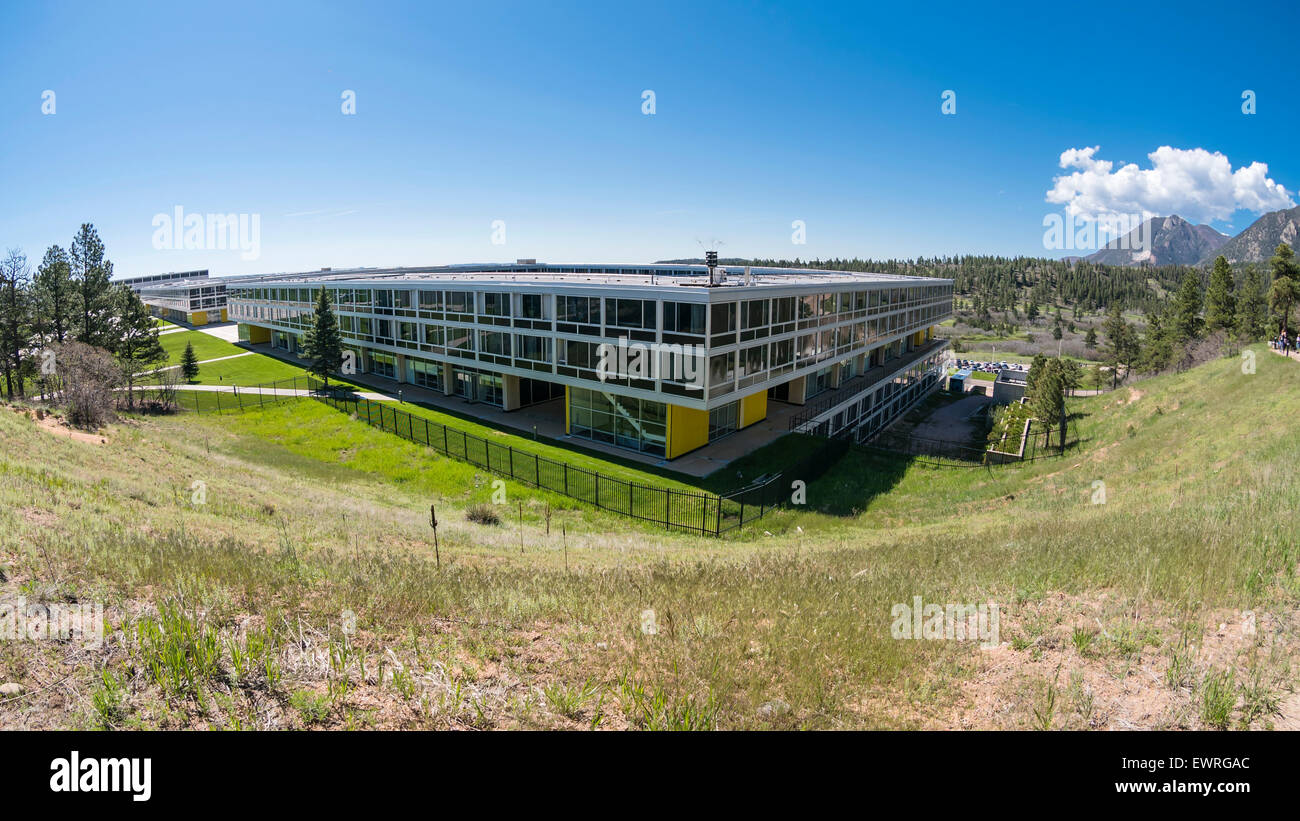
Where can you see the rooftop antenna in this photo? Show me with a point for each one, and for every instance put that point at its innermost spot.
(711, 260)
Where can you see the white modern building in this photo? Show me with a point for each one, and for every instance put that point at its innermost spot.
(192, 301)
(660, 359)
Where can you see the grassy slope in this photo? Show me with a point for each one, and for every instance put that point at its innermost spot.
(1201, 488)
(206, 346)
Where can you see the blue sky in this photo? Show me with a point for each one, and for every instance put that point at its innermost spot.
(531, 114)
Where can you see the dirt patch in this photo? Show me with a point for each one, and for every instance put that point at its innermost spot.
(1134, 395)
(54, 425)
(1099, 663)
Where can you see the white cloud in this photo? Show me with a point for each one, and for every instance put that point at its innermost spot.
(1193, 183)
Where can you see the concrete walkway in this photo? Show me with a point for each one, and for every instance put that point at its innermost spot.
(253, 391)
(228, 331)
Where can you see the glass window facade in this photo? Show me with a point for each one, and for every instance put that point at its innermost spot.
(638, 424)
(747, 338)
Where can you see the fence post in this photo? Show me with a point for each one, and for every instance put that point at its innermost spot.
(566, 478)
(511, 452)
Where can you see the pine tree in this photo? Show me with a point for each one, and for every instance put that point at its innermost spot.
(15, 320)
(1285, 290)
(1252, 307)
(1090, 339)
(1047, 401)
(1186, 324)
(1035, 368)
(189, 363)
(53, 294)
(1157, 349)
(91, 275)
(322, 344)
(136, 344)
(1220, 303)
(1119, 343)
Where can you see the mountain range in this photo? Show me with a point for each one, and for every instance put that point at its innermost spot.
(1258, 242)
(1173, 240)
(1168, 240)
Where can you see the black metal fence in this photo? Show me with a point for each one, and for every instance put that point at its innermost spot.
(224, 399)
(690, 511)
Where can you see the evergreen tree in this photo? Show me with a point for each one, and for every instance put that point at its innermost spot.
(1220, 304)
(1035, 368)
(94, 293)
(1097, 377)
(189, 363)
(1157, 349)
(1186, 324)
(1047, 401)
(15, 320)
(1071, 375)
(1285, 290)
(53, 293)
(1090, 339)
(322, 344)
(1252, 307)
(1120, 343)
(136, 344)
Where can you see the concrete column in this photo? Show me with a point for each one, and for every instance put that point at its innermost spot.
(798, 387)
(835, 376)
(448, 380)
(509, 392)
(400, 367)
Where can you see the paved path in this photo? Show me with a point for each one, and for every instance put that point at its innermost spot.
(253, 391)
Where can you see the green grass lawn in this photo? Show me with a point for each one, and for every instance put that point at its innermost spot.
(559, 451)
(206, 346)
(255, 369)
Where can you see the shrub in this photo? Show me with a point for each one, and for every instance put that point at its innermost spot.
(483, 514)
(88, 378)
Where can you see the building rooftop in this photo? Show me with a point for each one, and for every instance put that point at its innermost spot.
(658, 275)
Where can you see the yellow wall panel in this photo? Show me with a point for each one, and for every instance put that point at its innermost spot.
(753, 408)
(257, 334)
(688, 429)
